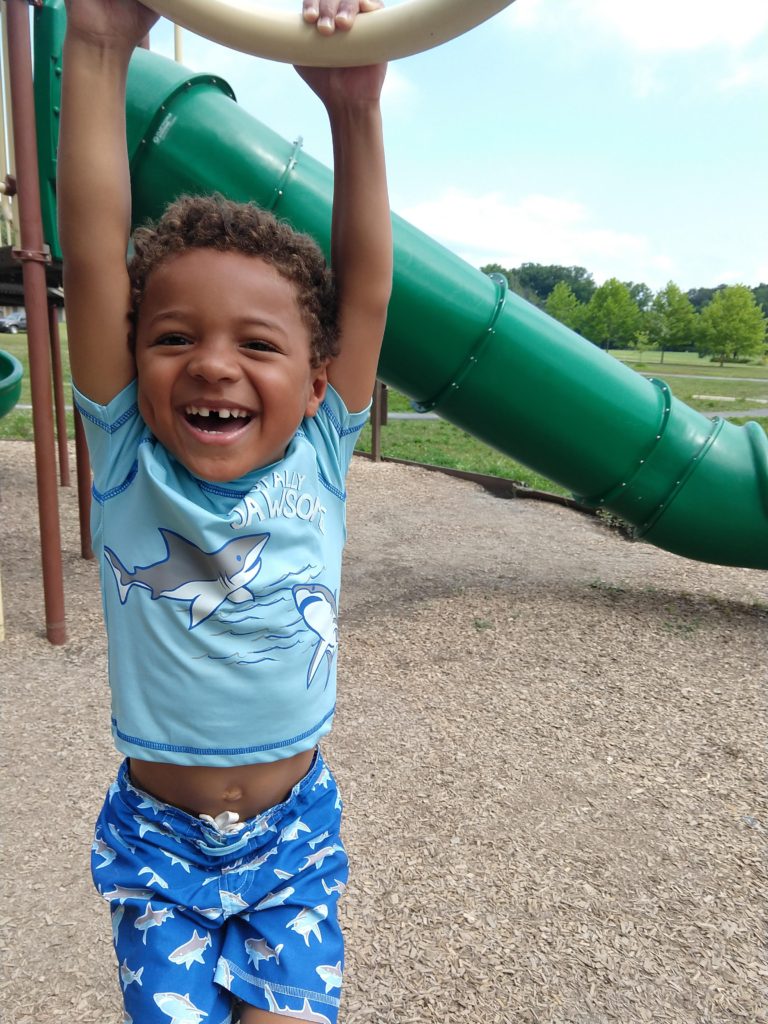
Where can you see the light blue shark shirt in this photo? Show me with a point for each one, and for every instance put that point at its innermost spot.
(220, 600)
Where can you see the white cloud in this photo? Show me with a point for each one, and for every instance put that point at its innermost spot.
(651, 26)
(663, 26)
(538, 229)
(746, 74)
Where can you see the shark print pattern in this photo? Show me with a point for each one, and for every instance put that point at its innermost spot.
(129, 977)
(330, 976)
(319, 856)
(202, 579)
(154, 878)
(259, 949)
(191, 952)
(306, 1013)
(307, 922)
(180, 1009)
(293, 831)
(214, 918)
(151, 919)
(101, 849)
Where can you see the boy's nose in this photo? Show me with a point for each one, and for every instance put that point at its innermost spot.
(213, 362)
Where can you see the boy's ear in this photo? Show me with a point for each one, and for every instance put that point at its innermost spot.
(318, 389)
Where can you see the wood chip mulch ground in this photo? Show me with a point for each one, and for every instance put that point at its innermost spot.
(551, 744)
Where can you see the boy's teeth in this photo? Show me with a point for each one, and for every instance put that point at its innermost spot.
(224, 414)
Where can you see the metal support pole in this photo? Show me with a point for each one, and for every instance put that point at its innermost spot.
(58, 395)
(83, 487)
(178, 47)
(32, 255)
(376, 420)
(12, 209)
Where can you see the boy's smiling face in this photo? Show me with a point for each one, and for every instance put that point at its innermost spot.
(224, 362)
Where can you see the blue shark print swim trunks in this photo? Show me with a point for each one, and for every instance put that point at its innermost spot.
(205, 915)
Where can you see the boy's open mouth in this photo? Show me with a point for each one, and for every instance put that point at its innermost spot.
(217, 421)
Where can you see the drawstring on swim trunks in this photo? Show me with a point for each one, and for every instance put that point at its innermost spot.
(227, 823)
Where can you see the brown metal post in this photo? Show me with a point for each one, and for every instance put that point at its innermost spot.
(33, 256)
(58, 395)
(376, 422)
(83, 464)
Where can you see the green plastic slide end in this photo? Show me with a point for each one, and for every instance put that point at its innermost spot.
(10, 382)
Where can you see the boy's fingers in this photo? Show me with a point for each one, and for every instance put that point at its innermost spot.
(329, 15)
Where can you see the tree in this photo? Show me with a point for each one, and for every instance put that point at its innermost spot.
(542, 279)
(732, 326)
(761, 297)
(641, 293)
(701, 297)
(563, 305)
(672, 320)
(611, 317)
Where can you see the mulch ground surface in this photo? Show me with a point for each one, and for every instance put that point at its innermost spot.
(551, 744)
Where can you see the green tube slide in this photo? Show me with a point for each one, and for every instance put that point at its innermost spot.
(10, 382)
(459, 343)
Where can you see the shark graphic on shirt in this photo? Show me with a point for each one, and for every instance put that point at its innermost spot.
(204, 579)
(317, 607)
(306, 1013)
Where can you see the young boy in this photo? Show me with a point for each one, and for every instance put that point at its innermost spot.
(215, 378)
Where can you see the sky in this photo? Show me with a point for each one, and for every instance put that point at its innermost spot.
(625, 136)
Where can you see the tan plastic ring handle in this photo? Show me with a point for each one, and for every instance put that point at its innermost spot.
(387, 34)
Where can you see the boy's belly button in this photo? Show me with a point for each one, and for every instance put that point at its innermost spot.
(233, 794)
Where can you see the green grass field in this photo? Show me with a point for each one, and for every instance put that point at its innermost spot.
(442, 444)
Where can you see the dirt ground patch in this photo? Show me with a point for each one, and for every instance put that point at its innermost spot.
(551, 747)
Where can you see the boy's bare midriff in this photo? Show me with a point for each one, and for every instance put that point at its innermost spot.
(247, 789)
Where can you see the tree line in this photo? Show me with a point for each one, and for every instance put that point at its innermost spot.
(727, 323)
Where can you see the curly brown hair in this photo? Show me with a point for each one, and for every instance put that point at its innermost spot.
(214, 222)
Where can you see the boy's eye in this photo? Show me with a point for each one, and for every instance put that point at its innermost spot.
(258, 345)
(172, 339)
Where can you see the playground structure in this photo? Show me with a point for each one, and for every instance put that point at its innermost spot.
(457, 341)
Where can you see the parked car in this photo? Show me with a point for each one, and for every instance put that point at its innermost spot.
(13, 323)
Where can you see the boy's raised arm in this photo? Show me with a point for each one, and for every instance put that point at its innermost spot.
(361, 242)
(94, 195)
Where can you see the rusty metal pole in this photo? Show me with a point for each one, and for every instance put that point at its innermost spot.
(58, 395)
(376, 422)
(33, 256)
(83, 465)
